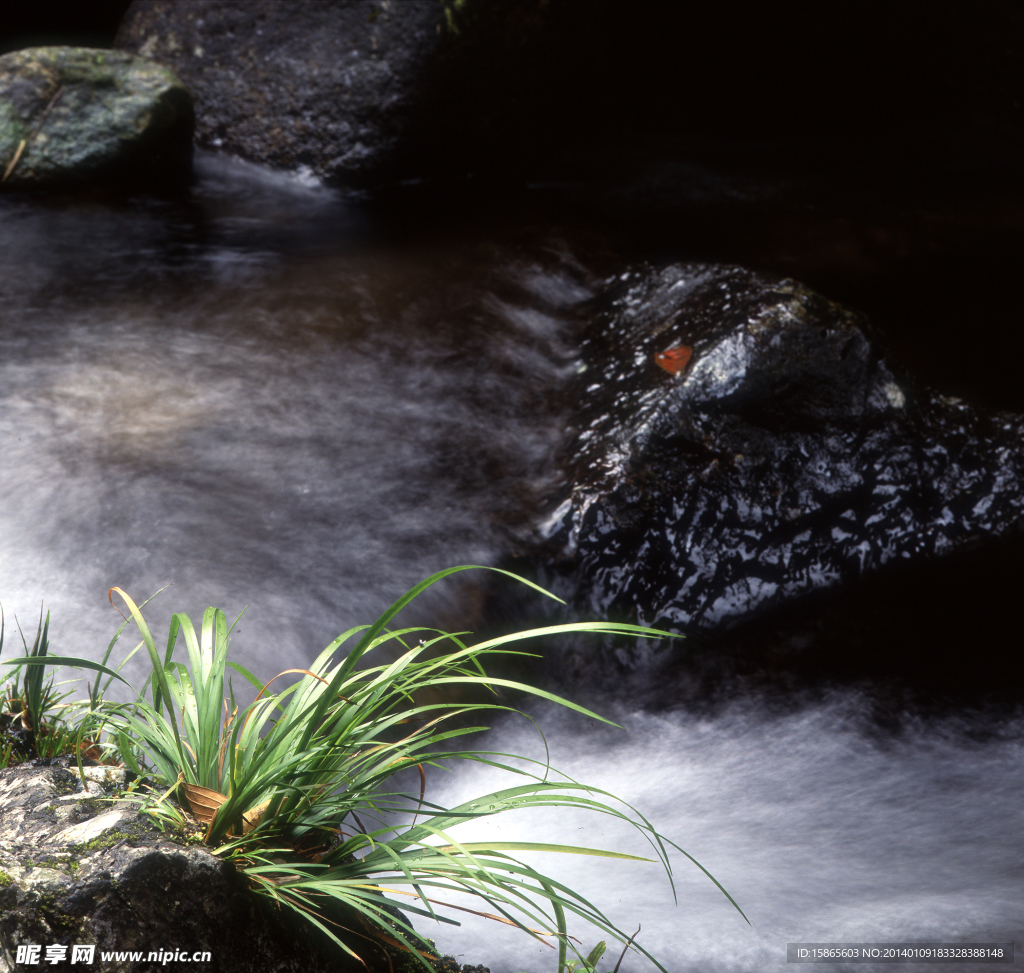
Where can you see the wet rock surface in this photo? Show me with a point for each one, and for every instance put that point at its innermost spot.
(590, 89)
(787, 456)
(77, 868)
(327, 86)
(71, 115)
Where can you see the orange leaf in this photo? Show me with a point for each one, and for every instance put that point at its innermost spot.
(674, 360)
(203, 801)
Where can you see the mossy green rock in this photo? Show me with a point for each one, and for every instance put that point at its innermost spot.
(78, 865)
(118, 116)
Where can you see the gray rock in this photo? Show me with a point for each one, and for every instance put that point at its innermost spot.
(115, 115)
(325, 85)
(78, 867)
(788, 456)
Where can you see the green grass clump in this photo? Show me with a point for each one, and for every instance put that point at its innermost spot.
(34, 717)
(298, 788)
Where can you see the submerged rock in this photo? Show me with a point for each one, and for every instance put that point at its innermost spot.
(784, 455)
(74, 115)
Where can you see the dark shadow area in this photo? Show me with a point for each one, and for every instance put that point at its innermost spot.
(934, 637)
(45, 23)
(599, 88)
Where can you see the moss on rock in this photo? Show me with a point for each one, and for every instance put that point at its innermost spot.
(73, 114)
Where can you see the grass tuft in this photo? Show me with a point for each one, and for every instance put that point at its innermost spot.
(298, 788)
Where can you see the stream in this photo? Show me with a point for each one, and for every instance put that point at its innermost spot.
(256, 395)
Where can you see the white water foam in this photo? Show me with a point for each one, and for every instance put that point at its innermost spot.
(820, 830)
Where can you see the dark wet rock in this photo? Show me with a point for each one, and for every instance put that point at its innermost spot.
(87, 114)
(787, 457)
(567, 90)
(79, 867)
(327, 86)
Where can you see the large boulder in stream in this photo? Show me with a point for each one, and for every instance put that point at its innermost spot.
(741, 441)
(73, 116)
(327, 86)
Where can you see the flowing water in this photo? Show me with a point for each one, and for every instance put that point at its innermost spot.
(242, 396)
(821, 829)
(250, 394)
